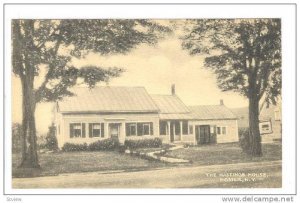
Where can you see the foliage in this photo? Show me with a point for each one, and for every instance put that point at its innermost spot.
(51, 141)
(106, 144)
(16, 137)
(147, 143)
(245, 55)
(71, 147)
(244, 139)
(239, 50)
(52, 44)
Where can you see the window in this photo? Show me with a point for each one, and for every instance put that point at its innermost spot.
(163, 128)
(191, 129)
(77, 130)
(185, 127)
(221, 130)
(146, 129)
(96, 129)
(139, 129)
(277, 115)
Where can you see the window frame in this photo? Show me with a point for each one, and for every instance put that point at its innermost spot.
(92, 133)
(219, 130)
(73, 130)
(146, 124)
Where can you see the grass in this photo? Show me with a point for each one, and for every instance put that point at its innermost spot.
(225, 154)
(74, 162)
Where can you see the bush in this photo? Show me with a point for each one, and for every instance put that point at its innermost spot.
(244, 138)
(16, 137)
(107, 144)
(143, 143)
(51, 141)
(70, 147)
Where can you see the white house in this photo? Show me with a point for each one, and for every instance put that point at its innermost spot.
(132, 113)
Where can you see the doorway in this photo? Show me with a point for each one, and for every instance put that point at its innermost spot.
(203, 135)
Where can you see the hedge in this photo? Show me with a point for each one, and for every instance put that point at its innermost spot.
(107, 144)
(143, 143)
(101, 145)
(70, 147)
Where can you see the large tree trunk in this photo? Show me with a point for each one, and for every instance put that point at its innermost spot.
(29, 145)
(254, 134)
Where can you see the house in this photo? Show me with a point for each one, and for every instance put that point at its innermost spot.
(132, 113)
(270, 121)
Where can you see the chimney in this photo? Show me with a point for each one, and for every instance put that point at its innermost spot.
(173, 89)
(221, 102)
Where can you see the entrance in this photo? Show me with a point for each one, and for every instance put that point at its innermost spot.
(114, 129)
(203, 134)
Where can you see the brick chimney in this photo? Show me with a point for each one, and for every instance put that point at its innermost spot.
(221, 102)
(173, 89)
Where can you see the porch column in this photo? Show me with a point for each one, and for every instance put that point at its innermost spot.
(106, 130)
(169, 130)
(180, 130)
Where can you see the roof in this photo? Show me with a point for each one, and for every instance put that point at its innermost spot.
(171, 107)
(108, 99)
(211, 112)
(170, 104)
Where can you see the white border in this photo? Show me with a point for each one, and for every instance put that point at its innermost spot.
(285, 12)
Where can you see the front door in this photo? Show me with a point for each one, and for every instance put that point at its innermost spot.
(114, 130)
(203, 134)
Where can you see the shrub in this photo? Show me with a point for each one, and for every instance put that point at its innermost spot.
(70, 147)
(244, 138)
(51, 141)
(16, 137)
(146, 143)
(107, 144)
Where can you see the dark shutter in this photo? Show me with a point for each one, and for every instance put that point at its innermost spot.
(90, 130)
(139, 129)
(102, 129)
(151, 128)
(127, 129)
(71, 130)
(83, 130)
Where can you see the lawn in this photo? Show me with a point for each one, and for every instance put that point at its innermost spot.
(225, 154)
(74, 162)
(77, 162)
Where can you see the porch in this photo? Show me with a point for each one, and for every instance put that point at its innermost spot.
(173, 131)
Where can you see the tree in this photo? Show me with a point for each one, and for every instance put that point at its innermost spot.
(245, 55)
(53, 43)
(51, 141)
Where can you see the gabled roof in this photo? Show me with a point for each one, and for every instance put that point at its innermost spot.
(211, 112)
(108, 99)
(171, 107)
(170, 104)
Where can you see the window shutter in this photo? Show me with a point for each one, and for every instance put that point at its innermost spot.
(83, 130)
(127, 129)
(90, 130)
(139, 129)
(151, 128)
(102, 129)
(71, 130)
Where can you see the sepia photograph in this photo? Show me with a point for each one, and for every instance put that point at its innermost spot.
(146, 103)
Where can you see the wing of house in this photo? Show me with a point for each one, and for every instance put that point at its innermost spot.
(214, 123)
(132, 113)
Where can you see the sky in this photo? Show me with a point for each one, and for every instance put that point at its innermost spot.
(154, 67)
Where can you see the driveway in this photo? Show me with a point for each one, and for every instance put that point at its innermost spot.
(254, 174)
